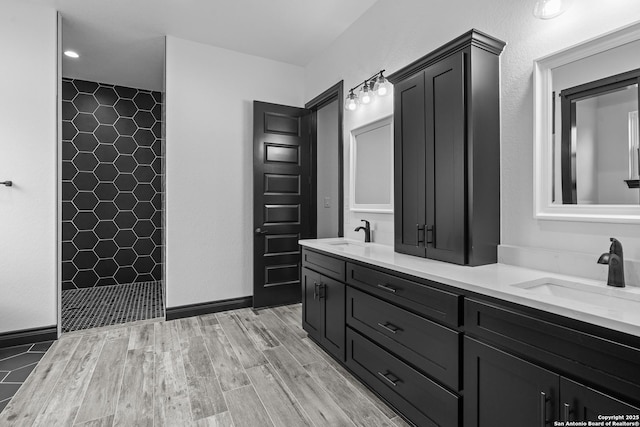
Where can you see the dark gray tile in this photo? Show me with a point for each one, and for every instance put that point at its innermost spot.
(20, 375)
(8, 390)
(42, 346)
(12, 351)
(20, 360)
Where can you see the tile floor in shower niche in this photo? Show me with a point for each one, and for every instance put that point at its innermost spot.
(109, 305)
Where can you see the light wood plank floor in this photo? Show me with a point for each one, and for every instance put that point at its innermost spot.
(237, 368)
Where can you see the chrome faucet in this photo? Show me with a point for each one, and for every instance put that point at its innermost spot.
(616, 263)
(367, 230)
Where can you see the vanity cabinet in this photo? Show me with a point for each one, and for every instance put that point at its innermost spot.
(447, 152)
(539, 390)
(323, 302)
(441, 355)
(502, 388)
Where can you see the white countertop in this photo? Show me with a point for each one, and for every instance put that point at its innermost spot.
(498, 280)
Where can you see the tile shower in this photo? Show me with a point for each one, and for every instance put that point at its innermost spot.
(112, 198)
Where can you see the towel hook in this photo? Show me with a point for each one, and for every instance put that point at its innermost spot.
(7, 183)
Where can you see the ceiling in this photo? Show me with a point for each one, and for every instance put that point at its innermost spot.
(125, 38)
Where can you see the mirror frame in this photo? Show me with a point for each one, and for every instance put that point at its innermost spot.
(360, 207)
(542, 137)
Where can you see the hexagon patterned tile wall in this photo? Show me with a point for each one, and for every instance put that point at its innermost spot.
(112, 185)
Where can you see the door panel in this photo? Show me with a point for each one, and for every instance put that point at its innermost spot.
(445, 174)
(311, 304)
(333, 296)
(409, 160)
(581, 403)
(281, 170)
(502, 388)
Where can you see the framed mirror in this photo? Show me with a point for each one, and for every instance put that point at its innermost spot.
(371, 183)
(586, 159)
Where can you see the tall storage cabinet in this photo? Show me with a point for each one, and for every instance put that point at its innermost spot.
(447, 152)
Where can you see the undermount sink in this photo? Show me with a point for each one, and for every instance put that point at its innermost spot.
(614, 298)
(345, 243)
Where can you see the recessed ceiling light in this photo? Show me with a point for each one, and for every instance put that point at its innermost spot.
(71, 54)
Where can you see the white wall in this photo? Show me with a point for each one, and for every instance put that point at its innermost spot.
(392, 34)
(328, 170)
(28, 157)
(209, 165)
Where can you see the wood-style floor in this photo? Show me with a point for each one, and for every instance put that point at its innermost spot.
(237, 368)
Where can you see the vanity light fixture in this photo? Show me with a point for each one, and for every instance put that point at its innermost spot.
(374, 85)
(71, 54)
(548, 9)
(381, 86)
(366, 94)
(351, 103)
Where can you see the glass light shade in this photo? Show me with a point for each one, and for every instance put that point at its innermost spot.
(366, 94)
(351, 103)
(382, 86)
(548, 9)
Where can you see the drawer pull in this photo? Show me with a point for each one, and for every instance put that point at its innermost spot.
(543, 409)
(389, 327)
(393, 382)
(566, 410)
(387, 288)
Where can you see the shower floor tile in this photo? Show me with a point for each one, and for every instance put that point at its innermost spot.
(110, 305)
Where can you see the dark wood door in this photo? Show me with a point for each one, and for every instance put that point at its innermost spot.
(501, 389)
(581, 403)
(409, 165)
(445, 148)
(281, 200)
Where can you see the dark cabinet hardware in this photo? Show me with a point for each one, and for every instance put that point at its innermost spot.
(321, 290)
(7, 183)
(387, 288)
(543, 409)
(315, 290)
(261, 231)
(566, 410)
(418, 230)
(430, 234)
(394, 382)
(389, 327)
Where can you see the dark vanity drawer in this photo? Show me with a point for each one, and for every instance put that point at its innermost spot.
(329, 266)
(431, 302)
(597, 360)
(431, 347)
(419, 398)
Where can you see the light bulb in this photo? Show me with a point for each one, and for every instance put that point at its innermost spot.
(366, 94)
(548, 9)
(71, 54)
(382, 86)
(351, 103)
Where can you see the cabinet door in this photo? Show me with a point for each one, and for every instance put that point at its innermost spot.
(501, 389)
(311, 303)
(445, 161)
(332, 294)
(409, 166)
(581, 403)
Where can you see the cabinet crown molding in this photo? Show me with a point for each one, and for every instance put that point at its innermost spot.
(472, 37)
